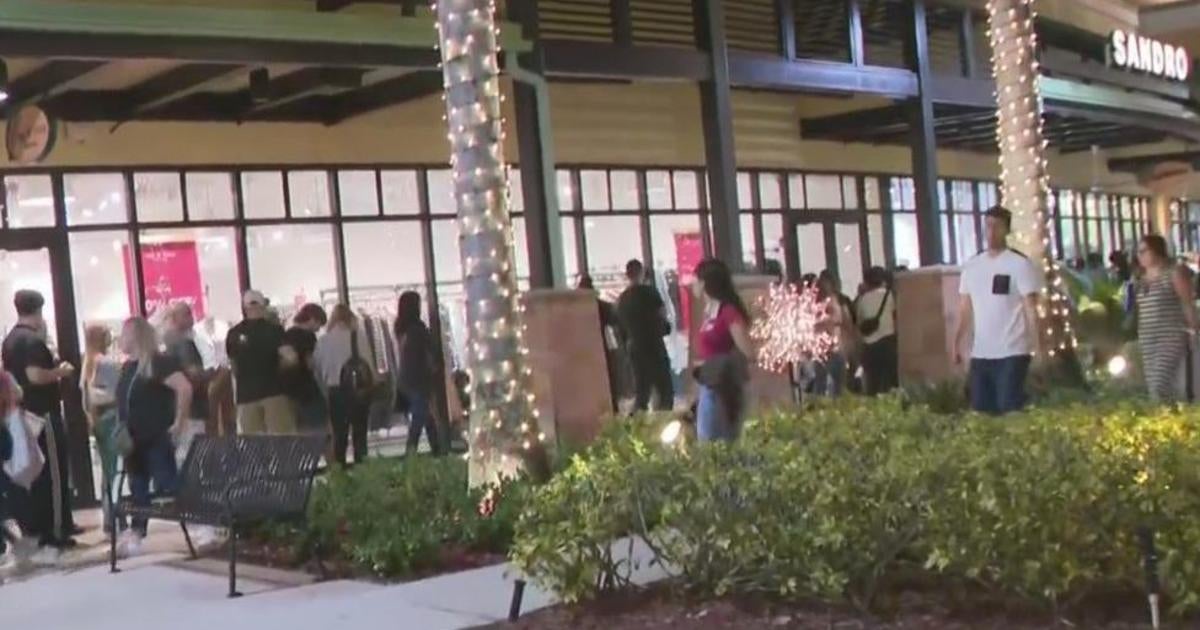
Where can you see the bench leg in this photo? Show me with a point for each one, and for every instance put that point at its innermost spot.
(188, 539)
(112, 541)
(233, 536)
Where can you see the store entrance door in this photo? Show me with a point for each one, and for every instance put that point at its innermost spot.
(834, 240)
(40, 260)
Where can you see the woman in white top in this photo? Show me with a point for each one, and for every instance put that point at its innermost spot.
(348, 411)
(876, 315)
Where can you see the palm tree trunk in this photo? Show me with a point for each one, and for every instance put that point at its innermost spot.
(504, 430)
(1025, 182)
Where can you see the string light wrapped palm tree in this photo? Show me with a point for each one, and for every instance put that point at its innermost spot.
(1025, 182)
(504, 435)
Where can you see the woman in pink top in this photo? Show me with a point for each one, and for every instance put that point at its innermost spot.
(724, 337)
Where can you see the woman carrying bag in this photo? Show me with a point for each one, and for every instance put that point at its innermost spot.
(154, 398)
(724, 351)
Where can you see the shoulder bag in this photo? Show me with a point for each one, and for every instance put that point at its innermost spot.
(870, 325)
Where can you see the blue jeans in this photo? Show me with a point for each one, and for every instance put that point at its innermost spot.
(830, 377)
(154, 462)
(713, 421)
(421, 419)
(998, 385)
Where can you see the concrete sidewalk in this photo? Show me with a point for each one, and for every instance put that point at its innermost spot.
(161, 592)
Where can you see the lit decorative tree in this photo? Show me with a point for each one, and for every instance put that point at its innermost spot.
(789, 330)
(1024, 178)
(504, 434)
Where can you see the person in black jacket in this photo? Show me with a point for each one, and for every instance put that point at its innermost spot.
(417, 373)
(644, 318)
(612, 336)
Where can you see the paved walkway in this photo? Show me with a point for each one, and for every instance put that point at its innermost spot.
(162, 589)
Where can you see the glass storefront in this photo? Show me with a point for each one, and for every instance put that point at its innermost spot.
(141, 239)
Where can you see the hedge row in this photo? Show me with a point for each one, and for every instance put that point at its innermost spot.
(840, 500)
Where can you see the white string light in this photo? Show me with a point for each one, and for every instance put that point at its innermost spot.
(504, 425)
(1024, 178)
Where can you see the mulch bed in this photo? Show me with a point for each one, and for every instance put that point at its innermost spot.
(663, 611)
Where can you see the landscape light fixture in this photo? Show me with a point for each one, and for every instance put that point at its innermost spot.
(1117, 366)
(671, 432)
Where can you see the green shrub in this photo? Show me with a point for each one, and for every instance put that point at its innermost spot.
(844, 499)
(395, 517)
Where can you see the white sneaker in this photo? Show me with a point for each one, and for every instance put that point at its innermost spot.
(130, 544)
(46, 556)
(204, 535)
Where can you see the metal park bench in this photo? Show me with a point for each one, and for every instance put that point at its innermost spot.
(232, 482)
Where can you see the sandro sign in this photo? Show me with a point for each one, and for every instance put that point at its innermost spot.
(1134, 52)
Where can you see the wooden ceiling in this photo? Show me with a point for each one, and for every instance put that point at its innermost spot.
(156, 89)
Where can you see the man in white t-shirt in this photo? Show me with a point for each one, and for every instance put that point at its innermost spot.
(998, 302)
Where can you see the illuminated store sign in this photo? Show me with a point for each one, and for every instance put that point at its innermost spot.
(1134, 52)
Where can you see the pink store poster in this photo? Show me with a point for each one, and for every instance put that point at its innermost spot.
(172, 274)
(689, 252)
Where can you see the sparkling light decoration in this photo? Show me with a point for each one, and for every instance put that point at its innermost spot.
(789, 330)
(504, 419)
(1023, 167)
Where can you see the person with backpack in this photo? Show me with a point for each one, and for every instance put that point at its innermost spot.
(876, 311)
(342, 363)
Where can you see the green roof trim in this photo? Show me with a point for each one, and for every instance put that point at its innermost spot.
(1073, 92)
(223, 23)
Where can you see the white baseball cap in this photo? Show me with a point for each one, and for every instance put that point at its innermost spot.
(253, 297)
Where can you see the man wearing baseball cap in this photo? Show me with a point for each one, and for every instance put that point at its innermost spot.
(998, 302)
(254, 348)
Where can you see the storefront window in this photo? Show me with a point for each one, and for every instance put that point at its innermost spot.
(658, 190)
(292, 265)
(401, 195)
(210, 196)
(595, 190)
(262, 195)
(95, 198)
(772, 227)
(849, 192)
(520, 252)
(749, 246)
(908, 248)
(811, 239)
(102, 273)
(745, 191)
(770, 191)
(30, 201)
(796, 199)
(516, 194)
(624, 190)
(849, 255)
(159, 197)
(612, 241)
(824, 192)
(358, 196)
(687, 190)
(566, 192)
(448, 266)
(570, 250)
(441, 191)
(875, 236)
(309, 191)
(196, 266)
(26, 270)
(383, 259)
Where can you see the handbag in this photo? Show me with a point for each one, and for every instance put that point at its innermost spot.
(27, 460)
(870, 325)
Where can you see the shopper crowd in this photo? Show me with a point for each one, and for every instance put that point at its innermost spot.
(146, 403)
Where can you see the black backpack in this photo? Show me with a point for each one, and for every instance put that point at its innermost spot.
(357, 378)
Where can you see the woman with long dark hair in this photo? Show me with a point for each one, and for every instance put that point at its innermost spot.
(1166, 313)
(724, 350)
(415, 348)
